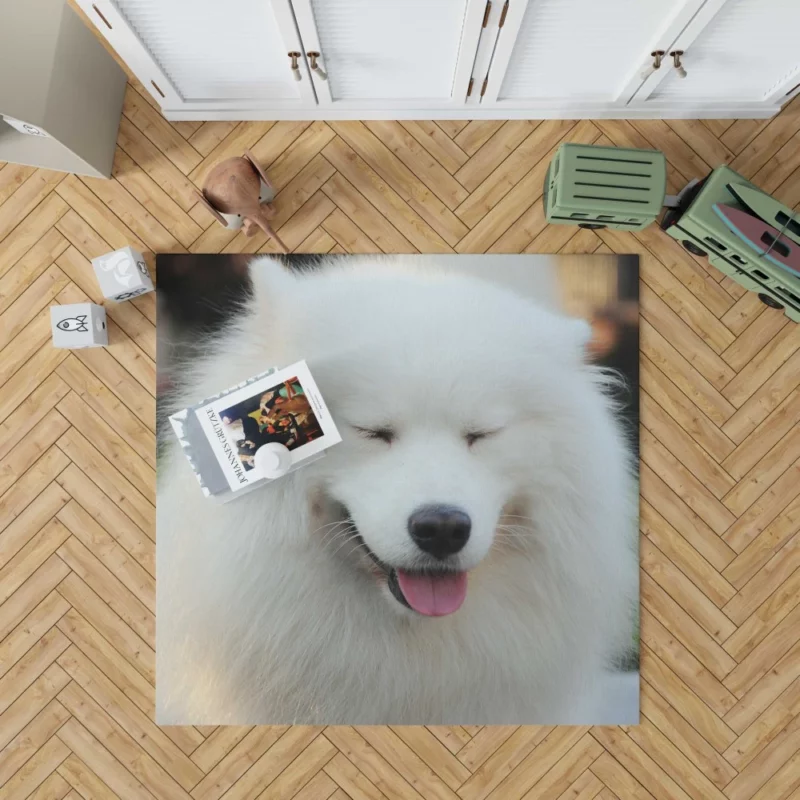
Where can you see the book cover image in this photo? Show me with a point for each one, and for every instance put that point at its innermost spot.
(284, 407)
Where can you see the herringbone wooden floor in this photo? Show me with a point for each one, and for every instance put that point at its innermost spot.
(720, 485)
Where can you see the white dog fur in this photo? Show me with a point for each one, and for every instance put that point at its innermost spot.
(262, 618)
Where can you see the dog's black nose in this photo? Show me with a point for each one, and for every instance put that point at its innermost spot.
(439, 530)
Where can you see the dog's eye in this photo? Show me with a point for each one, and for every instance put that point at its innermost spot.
(474, 436)
(385, 433)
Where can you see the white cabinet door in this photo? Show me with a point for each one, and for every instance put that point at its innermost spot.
(736, 51)
(208, 54)
(390, 54)
(579, 54)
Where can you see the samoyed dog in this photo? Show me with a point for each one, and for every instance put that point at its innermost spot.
(465, 555)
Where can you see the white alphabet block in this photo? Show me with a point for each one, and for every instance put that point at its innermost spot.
(122, 274)
(78, 325)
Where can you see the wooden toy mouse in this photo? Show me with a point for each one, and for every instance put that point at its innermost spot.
(238, 193)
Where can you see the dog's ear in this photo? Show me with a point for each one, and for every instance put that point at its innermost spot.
(566, 338)
(270, 279)
(573, 338)
(580, 336)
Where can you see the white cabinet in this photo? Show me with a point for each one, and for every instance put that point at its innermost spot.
(339, 59)
(208, 55)
(735, 51)
(407, 53)
(571, 53)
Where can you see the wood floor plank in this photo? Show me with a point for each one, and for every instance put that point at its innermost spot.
(154, 199)
(437, 143)
(694, 710)
(685, 413)
(109, 588)
(26, 198)
(209, 135)
(680, 734)
(97, 758)
(453, 737)
(515, 200)
(475, 134)
(30, 230)
(502, 763)
(30, 266)
(370, 220)
(144, 153)
(32, 301)
(494, 152)
(96, 216)
(12, 176)
(684, 592)
(91, 528)
(38, 768)
(98, 724)
(760, 404)
(675, 655)
(452, 127)
(237, 762)
(684, 556)
(344, 231)
(31, 702)
(85, 783)
(391, 169)
(159, 131)
(31, 738)
(639, 764)
(296, 775)
(496, 185)
(684, 448)
(133, 216)
(384, 198)
(685, 629)
(137, 724)
(756, 607)
(419, 161)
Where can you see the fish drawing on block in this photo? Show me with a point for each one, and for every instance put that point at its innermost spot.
(761, 237)
(74, 324)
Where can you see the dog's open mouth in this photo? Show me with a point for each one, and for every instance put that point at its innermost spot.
(431, 592)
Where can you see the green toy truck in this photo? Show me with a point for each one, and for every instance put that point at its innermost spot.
(613, 187)
(700, 230)
(605, 187)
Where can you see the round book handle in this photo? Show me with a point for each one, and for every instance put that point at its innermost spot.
(272, 460)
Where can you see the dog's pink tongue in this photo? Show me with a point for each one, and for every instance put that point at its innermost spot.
(433, 595)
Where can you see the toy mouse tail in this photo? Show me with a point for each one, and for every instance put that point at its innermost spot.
(270, 231)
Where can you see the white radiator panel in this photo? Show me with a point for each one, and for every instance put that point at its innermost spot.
(749, 48)
(578, 50)
(213, 49)
(385, 49)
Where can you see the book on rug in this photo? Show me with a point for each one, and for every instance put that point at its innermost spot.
(222, 435)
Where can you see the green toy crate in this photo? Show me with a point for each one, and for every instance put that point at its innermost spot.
(605, 187)
(695, 224)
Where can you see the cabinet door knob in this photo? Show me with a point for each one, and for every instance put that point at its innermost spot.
(294, 55)
(313, 56)
(676, 60)
(658, 56)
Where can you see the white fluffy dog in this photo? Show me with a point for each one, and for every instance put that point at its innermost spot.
(465, 555)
